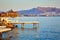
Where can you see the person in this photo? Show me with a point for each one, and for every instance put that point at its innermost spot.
(8, 25)
(16, 26)
(4, 22)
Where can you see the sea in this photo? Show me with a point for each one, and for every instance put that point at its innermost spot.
(48, 29)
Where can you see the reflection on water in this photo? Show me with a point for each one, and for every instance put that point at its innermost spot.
(19, 34)
(31, 34)
(49, 29)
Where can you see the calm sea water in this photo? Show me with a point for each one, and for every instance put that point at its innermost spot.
(49, 29)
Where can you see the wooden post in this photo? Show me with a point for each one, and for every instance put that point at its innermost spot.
(0, 36)
(35, 25)
(22, 25)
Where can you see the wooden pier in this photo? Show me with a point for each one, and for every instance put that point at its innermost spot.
(35, 24)
(2, 30)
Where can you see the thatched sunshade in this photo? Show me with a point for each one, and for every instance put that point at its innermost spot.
(12, 14)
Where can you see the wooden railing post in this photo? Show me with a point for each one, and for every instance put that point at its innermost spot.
(22, 25)
(35, 25)
(0, 36)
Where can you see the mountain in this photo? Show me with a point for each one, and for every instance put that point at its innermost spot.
(31, 11)
(46, 11)
(40, 10)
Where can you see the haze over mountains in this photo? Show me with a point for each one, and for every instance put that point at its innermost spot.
(40, 10)
(44, 11)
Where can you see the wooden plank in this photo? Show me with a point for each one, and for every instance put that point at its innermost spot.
(2, 26)
(24, 22)
(4, 29)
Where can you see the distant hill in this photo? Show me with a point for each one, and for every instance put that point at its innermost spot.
(40, 10)
(45, 11)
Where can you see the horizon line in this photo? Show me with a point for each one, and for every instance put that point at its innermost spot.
(28, 9)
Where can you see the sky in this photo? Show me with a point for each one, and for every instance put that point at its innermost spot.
(16, 5)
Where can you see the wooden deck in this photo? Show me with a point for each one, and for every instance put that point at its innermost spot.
(35, 23)
(3, 30)
(24, 22)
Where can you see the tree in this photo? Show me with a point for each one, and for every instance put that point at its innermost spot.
(12, 14)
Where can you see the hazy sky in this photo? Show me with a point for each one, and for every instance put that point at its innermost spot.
(27, 4)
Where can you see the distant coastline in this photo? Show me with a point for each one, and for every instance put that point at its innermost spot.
(39, 11)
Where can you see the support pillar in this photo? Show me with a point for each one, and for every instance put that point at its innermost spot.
(35, 25)
(0, 36)
(22, 25)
